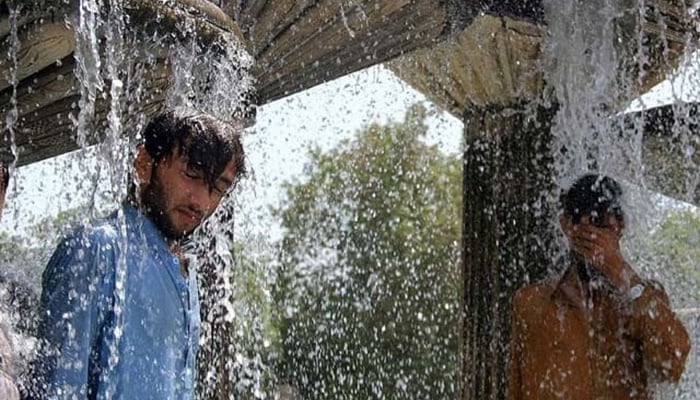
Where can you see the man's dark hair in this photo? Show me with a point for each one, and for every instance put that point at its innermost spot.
(205, 142)
(5, 176)
(595, 195)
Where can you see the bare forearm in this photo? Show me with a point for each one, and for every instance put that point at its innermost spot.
(664, 340)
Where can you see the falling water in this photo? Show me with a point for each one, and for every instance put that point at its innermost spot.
(204, 78)
(11, 118)
(585, 71)
(123, 72)
(599, 58)
(119, 72)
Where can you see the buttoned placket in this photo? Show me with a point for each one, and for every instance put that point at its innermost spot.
(185, 288)
(173, 265)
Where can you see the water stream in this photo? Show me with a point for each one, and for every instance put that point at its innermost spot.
(595, 76)
(391, 293)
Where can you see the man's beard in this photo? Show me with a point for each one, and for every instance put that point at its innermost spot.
(154, 204)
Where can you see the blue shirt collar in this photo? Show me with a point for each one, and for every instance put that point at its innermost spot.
(137, 222)
(139, 226)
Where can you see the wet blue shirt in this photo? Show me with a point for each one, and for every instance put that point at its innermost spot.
(120, 320)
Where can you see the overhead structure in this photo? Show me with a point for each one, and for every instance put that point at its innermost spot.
(672, 160)
(497, 58)
(472, 53)
(40, 94)
(299, 44)
(467, 71)
(497, 61)
(295, 45)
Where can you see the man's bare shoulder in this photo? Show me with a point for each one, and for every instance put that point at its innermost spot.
(534, 294)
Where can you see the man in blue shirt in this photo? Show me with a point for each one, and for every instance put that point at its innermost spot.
(120, 307)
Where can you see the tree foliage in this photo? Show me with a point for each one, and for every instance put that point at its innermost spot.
(369, 268)
(675, 249)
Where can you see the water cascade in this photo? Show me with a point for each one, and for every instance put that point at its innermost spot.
(544, 100)
(365, 304)
(93, 72)
(600, 58)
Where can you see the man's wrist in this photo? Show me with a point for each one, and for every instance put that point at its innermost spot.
(635, 291)
(627, 278)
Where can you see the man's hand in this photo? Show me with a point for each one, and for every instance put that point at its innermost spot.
(600, 246)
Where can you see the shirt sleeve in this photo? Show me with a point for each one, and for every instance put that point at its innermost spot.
(74, 303)
(663, 338)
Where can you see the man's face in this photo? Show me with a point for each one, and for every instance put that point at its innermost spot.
(177, 198)
(603, 229)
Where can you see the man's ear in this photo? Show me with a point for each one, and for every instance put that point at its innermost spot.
(143, 165)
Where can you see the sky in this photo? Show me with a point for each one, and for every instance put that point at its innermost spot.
(682, 86)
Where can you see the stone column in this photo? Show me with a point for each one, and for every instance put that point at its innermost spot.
(507, 233)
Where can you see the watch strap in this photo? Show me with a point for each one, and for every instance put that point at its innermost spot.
(635, 292)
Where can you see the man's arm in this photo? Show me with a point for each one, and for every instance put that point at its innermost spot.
(514, 387)
(73, 308)
(663, 338)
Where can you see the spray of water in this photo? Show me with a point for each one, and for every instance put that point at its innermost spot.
(599, 58)
(123, 74)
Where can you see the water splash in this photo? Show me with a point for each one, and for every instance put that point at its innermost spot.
(599, 57)
(205, 78)
(88, 69)
(121, 73)
(12, 114)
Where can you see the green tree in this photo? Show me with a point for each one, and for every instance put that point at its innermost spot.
(25, 255)
(256, 335)
(674, 248)
(369, 268)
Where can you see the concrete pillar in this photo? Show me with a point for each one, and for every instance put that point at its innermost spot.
(507, 233)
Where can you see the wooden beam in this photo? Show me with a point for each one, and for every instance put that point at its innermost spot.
(467, 71)
(49, 85)
(46, 129)
(316, 41)
(40, 46)
(47, 89)
(5, 25)
(208, 24)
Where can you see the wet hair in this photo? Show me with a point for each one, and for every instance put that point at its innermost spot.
(595, 195)
(207, 144)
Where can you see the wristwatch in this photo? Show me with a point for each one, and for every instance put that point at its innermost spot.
(635, 292)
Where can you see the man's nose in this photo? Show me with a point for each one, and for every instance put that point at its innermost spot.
(200, 198)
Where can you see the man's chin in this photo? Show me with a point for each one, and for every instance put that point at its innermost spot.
(172, 232)
(180, 233)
